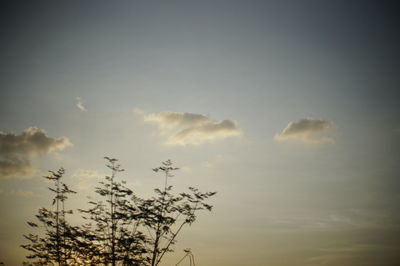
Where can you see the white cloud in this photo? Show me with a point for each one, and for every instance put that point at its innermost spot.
(189, 128)
(307, 130)
(79, 104)
(174, 119)
(16, 151)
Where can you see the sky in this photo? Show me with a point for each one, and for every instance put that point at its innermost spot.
(288, 109)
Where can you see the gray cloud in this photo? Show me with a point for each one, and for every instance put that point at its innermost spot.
(79, 104)
(189, 128)
(308, 130)
(15, 166)
(16, 151)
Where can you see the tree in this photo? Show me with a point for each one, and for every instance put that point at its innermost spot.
(112, 234)
(55, 246)
(166, 214)
(188, 254)
(120, 228)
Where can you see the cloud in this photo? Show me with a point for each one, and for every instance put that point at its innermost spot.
(79, 104)
(20, 193)
(138, 111)
(189, 128)
(307, 130)
(357, 254)
(173, 119)
(83, 173)
(87, 178)
(16, 151)
(14, 166)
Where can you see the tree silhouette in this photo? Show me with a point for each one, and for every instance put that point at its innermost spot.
(112, 232)
(56, 245)
(166, 214)
(188, 254)
(120, 228)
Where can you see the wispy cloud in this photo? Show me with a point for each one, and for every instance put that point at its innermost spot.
(87, 178)
(16, 151)
(79, 104)
(359, 253)
(20, 193)
(83, 173)
(190, 128)
(309, 220)
(307, 130)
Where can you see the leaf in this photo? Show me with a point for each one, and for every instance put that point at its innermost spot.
(32, 224)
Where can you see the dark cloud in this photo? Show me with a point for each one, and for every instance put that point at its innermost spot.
(15, 166)
(16, 151)
(308, 130)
